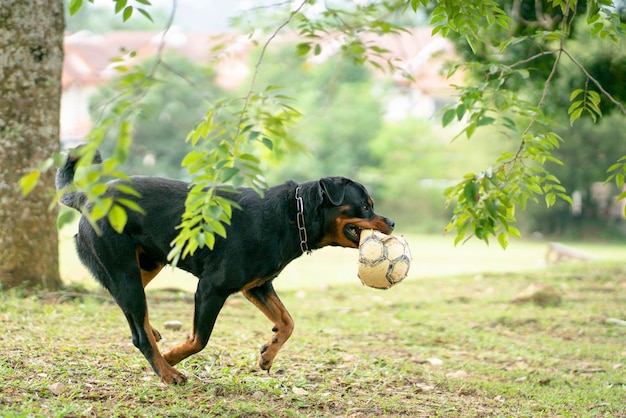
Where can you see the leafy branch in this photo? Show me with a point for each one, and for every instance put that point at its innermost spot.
(121, 6)
(117, 116)
(120, 113)
(485, 203)
(617, 173)
(222, 154)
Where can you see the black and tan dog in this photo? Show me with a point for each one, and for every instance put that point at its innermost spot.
(265, 235)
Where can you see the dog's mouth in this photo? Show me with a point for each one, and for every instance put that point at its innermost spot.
(353, 233)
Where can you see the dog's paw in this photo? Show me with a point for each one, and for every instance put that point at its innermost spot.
(265, 363)
(173, 377)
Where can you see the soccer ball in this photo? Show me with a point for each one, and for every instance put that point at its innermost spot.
(384, 260)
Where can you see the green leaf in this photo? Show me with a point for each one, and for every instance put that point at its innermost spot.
(117, 218)
(461, 228)
(566, 198)
(619, 180)
(146, 14)
(101, 208)
(209, 239)
(29, 181)
(75, 5)
(460, 111)
(437, 18)
(126, 189)
(218, 227)
(174, 255)
(490, 205)
(131, 204)
(268, 143)
(575, 94)
(192, 157)
(575, 105)
(614, 167)
(503, 239)
(448, 117)
(459, 237)
(98, 189)
(249, 157)
(119, 5)
(485, 121)
(514, 231)
(594, 97)
(302, 49)
(575, 115)
(470, 191)
(470, 129)
(65, 217)
(128, 12)
(228, 173)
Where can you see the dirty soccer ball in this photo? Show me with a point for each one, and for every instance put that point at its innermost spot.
(384, 260)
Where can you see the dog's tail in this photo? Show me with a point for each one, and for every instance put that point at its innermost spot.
(65, 178)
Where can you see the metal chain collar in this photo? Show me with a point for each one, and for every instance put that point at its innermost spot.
(301, 224)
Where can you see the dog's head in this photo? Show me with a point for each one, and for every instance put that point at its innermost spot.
(348, 209)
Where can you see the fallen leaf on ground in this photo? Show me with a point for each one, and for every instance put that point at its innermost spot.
(299, 391)
(56, 388)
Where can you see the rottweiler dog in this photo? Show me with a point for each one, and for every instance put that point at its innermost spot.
(266, 233)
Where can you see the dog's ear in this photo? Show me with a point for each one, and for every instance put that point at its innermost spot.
(333, 188)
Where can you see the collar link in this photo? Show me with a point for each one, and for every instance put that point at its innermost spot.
(304, 246)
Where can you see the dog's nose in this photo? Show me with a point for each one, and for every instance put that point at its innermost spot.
(390, 222)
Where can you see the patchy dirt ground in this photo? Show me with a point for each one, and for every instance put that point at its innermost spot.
(452, 346)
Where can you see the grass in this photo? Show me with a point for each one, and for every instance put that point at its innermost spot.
(431, 346)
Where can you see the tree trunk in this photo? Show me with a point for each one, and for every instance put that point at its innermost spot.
(31, 63)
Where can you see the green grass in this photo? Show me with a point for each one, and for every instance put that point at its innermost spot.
(431, 346)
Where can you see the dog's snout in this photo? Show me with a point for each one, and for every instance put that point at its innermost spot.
(390, 222)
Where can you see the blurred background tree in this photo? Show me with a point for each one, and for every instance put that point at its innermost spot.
(170, 109)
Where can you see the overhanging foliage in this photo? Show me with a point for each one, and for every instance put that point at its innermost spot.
(485, 203)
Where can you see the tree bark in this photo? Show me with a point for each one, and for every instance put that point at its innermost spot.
(31, 64)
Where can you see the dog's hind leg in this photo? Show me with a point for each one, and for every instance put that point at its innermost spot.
(265, 298)
(143, 334)
(112, 261)
(149, 269)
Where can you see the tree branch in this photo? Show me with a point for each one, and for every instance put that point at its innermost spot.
(544, 93)
(596, 82)
(534, 57)
(260, 61)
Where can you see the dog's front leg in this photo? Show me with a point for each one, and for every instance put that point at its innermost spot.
(265, 298)
(208, 306)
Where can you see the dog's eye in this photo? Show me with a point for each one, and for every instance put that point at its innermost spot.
(365, 208)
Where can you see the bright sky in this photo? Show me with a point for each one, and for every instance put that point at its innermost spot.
(196, 15)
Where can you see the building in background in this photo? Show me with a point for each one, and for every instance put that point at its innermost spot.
(89, 64)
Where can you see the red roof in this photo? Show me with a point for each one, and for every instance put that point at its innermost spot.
(88, 58)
